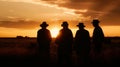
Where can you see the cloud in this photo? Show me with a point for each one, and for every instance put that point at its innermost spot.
(106, 10)
(19, 24)
(91, 5)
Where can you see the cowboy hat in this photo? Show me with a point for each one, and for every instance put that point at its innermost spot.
(44, 24)
(64, 23)
(81, 25)
(95, 21)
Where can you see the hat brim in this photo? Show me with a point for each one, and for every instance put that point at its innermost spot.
(44, 25)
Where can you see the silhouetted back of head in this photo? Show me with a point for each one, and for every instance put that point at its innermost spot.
(64, 24)
(95, 21)
(44, 24)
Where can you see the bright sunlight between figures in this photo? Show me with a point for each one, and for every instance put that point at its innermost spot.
(54, 32)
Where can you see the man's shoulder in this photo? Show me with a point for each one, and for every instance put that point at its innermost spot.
(39, 30)
(86, 31)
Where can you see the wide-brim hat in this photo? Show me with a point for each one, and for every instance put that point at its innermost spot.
(81, 25)
(95, 21)
(44, 24)
(64, 23)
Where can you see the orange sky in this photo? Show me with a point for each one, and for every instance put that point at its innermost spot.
(23, 17)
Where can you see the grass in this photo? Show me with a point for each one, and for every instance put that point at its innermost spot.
(24, 50)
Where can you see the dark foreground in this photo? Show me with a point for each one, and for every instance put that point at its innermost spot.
(20, 52)
(107, 57)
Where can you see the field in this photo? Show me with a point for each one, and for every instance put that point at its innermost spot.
(24, 51)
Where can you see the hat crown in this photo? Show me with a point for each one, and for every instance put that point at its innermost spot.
(95, 21)
(64, 23)
(81, 25)
(44, 24)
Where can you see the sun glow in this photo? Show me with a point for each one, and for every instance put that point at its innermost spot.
(54, 32)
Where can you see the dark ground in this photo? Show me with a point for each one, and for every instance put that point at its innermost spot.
(12, 54)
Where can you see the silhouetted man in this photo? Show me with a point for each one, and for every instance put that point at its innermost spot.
(98, 36)
(64, 41)
(44, 39)
(82, 44)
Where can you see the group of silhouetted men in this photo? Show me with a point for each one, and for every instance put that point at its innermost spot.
(66, 43)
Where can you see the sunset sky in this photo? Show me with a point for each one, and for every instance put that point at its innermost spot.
(23, 17)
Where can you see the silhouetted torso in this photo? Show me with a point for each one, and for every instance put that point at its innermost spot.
(64, 41)
(82, 40)
(65, 38)
(98, 37)
(44, 40)
(82, 45)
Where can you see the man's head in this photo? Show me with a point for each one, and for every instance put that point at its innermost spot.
(95, 22)
(64, 24)
(44, 24)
